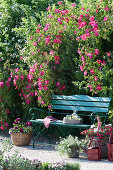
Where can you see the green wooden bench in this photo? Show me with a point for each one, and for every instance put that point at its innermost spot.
(87, 107)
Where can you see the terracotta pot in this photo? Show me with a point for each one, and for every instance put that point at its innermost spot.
(21, 139)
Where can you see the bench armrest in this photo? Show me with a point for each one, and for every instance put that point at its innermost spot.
(32, 113)
(101, 115)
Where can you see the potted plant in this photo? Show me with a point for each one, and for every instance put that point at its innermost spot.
(69, 146)
(21, 133)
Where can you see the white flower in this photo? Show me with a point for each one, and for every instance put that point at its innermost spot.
(92, 126)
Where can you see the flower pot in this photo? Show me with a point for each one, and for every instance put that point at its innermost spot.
(21, 139)
(74, 152)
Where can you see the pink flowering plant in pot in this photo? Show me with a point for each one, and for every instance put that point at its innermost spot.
(100, 133)
(20, 127)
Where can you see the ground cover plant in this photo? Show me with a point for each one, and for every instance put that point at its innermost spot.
(18, 162)
(69, 41)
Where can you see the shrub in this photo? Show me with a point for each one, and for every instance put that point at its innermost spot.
(66, 145)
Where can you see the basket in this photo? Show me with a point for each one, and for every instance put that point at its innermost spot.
(110, 150)
(21, 139)
(71, 121)
(94, 153)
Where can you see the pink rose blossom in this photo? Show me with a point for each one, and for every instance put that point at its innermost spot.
(83, 37)
(22, 77)
(81, 68)
(45, 28)
(106, 9)
(40, 66)
(103, 63)
(92, 71)
(75, 32)
(47, 40)
(39, 25)
(8, 84)
(96, 33)
(60, 2)
(90, 55)
(42, 102)
(99, 87)
(57, 11)
(7, 110)
(108, 53)
(57, 62)
(45, 87)
(42, 73)
(48, 8)
(1, 84)
(39, 78)
(36, 93)
(77, 38)
(63, 87)
(16, 70)
(90, 87)
(39, 83)
(82, 58)
(95, 78)
(47, 81)
(50, 16)
(28, 101)
(57, 41)
(21, 58)
(38, 42)
(97, 11)
(99, 61)
(87, 10)
(85, 73)
(82, 8)
(106, 18)
(9, 79)
(51, 53)
(16, 77)
(39, 98)
(73, 4)
(35, 44)
(91, 18)
(40, 88)
(49, 106)
(57, 84)
(87, 15)
(31, 38)
(64, 26)
(38, 30)
(96, 52)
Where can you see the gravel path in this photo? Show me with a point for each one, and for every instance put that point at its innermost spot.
(49, 154)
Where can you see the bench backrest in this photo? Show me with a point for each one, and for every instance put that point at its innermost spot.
(81, 103)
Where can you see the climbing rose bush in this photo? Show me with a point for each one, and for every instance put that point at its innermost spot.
(94, 26)
(44, 54)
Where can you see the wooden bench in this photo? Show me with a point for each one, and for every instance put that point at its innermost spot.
(85, 106)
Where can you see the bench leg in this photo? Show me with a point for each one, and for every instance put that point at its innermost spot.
(38, 136)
